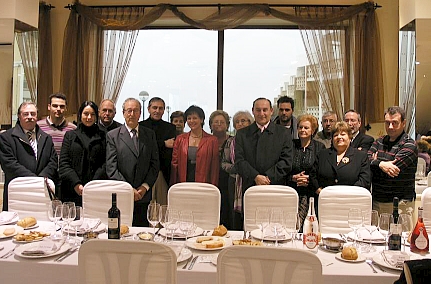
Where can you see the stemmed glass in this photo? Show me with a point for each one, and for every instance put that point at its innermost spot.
(355, 222)
(290, 223)
(371, 225)
(186, 222)
(405, 220)
(77, 222)
(172, 223)
(57, 216)
(153, 215)
(262, 219)
(68, 215)
(384, 222)
(51, 212)
(276, 222)
(164, 219)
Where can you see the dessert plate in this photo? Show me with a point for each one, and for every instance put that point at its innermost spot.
(359, 259)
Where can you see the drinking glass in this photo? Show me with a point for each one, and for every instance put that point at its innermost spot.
(276, 222)
(57, 217)
(355, 222)
(186, 222)
(262, 219)
(51, 212)
(164, 219)
(153, 215)
(68, 215)
(371, 222)
(405, 220)
(290, 224)
(384, 222)
(77, 222)
(172, 224)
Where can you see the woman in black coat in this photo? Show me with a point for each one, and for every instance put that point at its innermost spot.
(83, 154)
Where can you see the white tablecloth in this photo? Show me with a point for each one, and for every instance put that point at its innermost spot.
(45, 270)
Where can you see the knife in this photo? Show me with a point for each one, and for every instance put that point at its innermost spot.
(193, 262)
(71, 251)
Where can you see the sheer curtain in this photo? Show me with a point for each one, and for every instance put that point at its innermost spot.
(28, 47)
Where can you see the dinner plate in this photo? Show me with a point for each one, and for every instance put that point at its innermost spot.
(184, 255)
(18, 229)
(13, 221)
(99, 229)
(359, 259)
(191, 243)
(351, 236)
(379, 259)
(32, 227)
(178, 235)
(18, 251)
(257, 234)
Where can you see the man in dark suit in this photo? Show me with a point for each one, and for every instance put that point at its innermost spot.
(107, 113)
(165, 135)
(263, 150)
(132, 156)
(18, 148)
(360, 140)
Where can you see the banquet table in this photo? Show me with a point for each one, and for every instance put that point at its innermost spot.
(44, 270)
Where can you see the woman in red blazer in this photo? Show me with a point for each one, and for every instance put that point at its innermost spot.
(195, 156)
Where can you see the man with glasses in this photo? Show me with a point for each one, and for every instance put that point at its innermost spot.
(328, 122)
(132, 156)
(393, 159)
(107, 113)
(55, 123)
(25, 150)
(360, 140)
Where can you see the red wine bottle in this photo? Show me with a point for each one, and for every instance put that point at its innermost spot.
(114, 219)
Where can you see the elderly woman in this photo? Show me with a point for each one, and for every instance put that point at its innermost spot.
(83, 154)
(340, 164)
(304, 155)
(195, 156)
(219, 124)
(241, 119)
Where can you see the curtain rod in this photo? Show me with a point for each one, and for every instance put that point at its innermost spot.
(70, 6)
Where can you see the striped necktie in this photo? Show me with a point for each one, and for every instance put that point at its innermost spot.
(135, 139)
(32, 143)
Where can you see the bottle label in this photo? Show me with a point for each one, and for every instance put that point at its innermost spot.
(311, 240)
(112, 223)
(421, 241)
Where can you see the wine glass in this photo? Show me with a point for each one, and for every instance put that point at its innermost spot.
(77, 222)
(384, 222)
(153, 215)
(186, 222)
(172, 223)
(51, 212)
(262, 219)
(290, 223)
(405, 220)
(371, 222)
(68, 215)
(57, 217)
(355, 222)
(164, 219)
(276, 222)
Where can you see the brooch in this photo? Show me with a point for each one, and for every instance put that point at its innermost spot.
(345, 160)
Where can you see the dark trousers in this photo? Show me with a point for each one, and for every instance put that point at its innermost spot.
(140, 214)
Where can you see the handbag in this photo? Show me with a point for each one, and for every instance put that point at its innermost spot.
(51, 192)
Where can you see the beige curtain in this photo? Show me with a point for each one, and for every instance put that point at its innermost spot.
(28, 48)
(45, 76)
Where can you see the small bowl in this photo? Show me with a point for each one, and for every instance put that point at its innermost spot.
(332, 243)
(89, 236)
(145, 236)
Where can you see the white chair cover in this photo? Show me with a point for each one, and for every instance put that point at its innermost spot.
(426, 205)
(262, 265)
(97, 199)
(132, 262)
(267, 196)
(334, 204)
(29, 197)
(203, 199)
(429, 178)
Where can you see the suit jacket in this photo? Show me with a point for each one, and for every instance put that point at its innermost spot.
(268, 153)
(18, 160)
(164, 131)
(207, 159)
(82, 159)
(354, 169)
(124, 163)
(362, 141)
(114, 125)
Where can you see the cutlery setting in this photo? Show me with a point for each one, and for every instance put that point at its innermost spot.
(370, 263)
(9, 253)
(193, 262)
(66, 254)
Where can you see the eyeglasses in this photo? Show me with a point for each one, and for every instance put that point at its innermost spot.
(134, 110)
(242, 121)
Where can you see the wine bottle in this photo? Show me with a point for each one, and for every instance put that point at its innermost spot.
(394, 242)
(395, 210)
(114, 219)
(419, 240)
(311, 228)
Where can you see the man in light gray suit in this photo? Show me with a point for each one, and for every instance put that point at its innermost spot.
(132, 156)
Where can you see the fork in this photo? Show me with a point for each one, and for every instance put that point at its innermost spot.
(187, 262)
(370, 263)
(9, 253)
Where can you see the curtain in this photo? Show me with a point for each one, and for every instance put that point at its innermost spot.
(28, 48)
(45, 76)
(78, 57)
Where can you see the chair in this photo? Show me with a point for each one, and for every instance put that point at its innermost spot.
(426, 205)
(201, 198)
(28, 196)
(429, 179)
(334, 204)
(97, 199)
(261, 265)
(267, 196)
(132, 262)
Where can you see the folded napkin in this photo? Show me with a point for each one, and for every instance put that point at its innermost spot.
(270, 234)
(89, 224)
(364, 235)
(178, 233)
(6, 217)
(46, 247)
(395, 258)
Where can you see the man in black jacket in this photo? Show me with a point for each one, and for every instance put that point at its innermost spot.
(360, 140)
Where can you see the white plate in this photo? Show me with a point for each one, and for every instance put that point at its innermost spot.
(351, 236)
(13, 221)
(191, 243)
(199, 231)
(378, 258)
(99, 229)
(31, 227)
(18, 251)
(185, 255)
(359, 259)
(18, 229)
(257, 234)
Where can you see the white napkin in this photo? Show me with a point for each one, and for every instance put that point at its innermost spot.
(89, 224)
(6, 217)
(363, 234)
(270, 234)
(395, 258)
(45, 247)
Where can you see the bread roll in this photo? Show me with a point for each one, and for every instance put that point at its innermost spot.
(9, 231)
(124, 229)
(203, 239)
(220, 231)
(349, 253)
(213, 244)
(27, 222)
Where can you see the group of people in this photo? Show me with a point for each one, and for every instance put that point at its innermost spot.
(154, 154)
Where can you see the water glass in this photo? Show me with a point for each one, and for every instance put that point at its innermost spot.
(153, 215)
(405, 220)
(77, 222)
(384, 222)
(51, 212)
(57, 217)
(291, 224)
(371, 222)
(186, 222)
(262, 219)
(173, 220)
(276, 223)
(355, 222)
(164, 219)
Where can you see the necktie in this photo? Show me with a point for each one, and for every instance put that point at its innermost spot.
(32, 143)
(135, 139)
